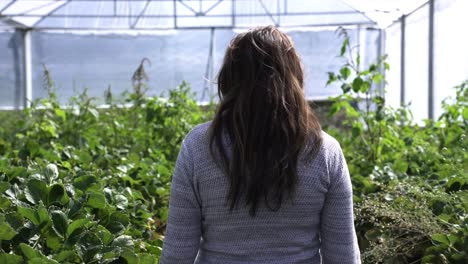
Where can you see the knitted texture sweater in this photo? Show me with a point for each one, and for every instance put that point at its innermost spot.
(316, 227)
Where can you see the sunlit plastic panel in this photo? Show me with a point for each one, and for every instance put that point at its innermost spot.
(416, 62)
(393, 76)
(189, 22)
(450, 52)
(87, 23)
(102, 8)
(319, 6)
(256, 13)
(322, 20)
(29, 13)
(79, 61)
(203, 14)
(11, 69)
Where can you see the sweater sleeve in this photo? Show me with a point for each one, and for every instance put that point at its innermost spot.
(183, 230)
(337, 233)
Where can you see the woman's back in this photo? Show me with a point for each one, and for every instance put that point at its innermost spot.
(318, 218)
(261, 182)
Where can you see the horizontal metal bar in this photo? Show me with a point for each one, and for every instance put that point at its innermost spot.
(126, 1)
(172, 15)
(410, 13)
(191, 27)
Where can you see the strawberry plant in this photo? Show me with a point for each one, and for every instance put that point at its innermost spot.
(410, 181)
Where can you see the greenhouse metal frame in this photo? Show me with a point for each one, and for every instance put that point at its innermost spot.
(161, 15)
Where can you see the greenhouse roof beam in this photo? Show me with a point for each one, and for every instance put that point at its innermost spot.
(188, 7)
(268, 13)
(139, 15)
(134, 14)
(7, 6)
(171, 15)
(50, 13)
(205, 27)
(12, 23)
(213, 6)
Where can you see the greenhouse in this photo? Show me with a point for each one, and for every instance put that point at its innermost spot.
(96, 97)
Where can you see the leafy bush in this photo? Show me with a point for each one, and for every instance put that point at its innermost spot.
(410, 181)
(82, 184)
(87, 184)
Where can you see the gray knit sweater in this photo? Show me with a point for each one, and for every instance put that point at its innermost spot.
(316, 228)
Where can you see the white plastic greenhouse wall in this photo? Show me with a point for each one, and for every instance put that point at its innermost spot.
(94, 45)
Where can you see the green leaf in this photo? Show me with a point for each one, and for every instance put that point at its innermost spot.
(96, 200)
(64, 255)
(130, 256)
(121, 202)
(344, 46)
(4, 203)
(4, 186)
(53, 241)
(88, 246)
(42, 260)
(60, 113)
(377, 78)
(105, 236)
(84, 182)
(6, 258)
(146, 258)
(387, 66)
(357, 129)
(51, 172)
(118, 222)
(14, 219)
(36, 191)
(400, 165)
(42, 214)
(6, 231)
(465, 113)
(441, 238)
(357, 84)
(59, 223)
(331, 78)
(345, 72)
(57, 195)
(29, 252)
(75, 225)
(123, 241)
(29, 214)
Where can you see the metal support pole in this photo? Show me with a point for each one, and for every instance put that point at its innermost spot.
(175, 13)
(361, 46)
(27, 68)
(380, 53)
(212, 62)
(402, 61)
(430, 94)
(233, 13)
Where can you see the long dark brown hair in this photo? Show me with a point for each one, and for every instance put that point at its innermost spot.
(264, 115)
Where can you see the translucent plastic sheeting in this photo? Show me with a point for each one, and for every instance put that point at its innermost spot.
(393, 76)
(96, 62)
(11, 69)
(167, 14)
(385, 12)
(450, 52)
(416, 62)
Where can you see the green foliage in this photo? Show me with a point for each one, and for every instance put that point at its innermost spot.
(82, 184)
(410, 181)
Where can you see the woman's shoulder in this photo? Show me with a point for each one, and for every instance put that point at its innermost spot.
(330, 145)
(329, 141)
(198, 134)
